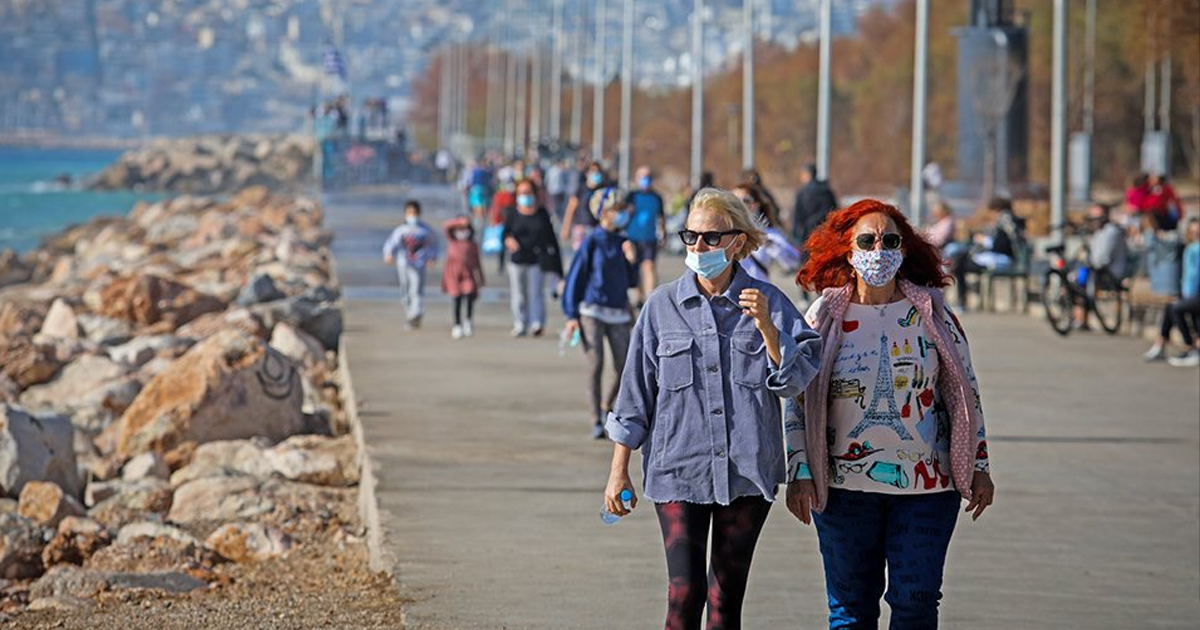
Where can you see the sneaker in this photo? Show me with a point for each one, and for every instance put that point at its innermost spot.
(1155, 353)
(598, 432)
(1187, 359)
(518, 331)
(456, 332)
(468, 329)
(538, 330)
(415, 322)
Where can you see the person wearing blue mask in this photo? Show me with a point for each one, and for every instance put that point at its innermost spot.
(647, 228)
(711, 356)
(596, 297)
(578, 222)
(528, 239)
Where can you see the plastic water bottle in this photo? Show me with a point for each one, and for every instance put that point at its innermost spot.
(567, 341)
(608, 517)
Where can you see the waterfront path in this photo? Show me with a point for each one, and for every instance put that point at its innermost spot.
(490, 486)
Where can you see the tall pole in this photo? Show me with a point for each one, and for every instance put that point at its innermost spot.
(599, 89)
(1164, 108)
(522, 95)
(489, 118)
(697, 92)
(626, 93)
(577, 79)
(1089, 74)
(535, 93)
(464, 85)
(556, 32)
(826, 26)
(1148, 105)
(748, 85)
(510, 104)
(444, 98)
(1058, 121)
(916, 188)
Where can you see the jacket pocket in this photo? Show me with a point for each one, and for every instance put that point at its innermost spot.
(748, 360)
(675, 363)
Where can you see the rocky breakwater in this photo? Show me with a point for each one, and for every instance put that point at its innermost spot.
(212, 164)
(169, 409)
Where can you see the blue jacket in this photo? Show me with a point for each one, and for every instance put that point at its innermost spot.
(599, 274)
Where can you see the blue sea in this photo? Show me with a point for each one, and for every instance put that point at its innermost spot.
(33, 205)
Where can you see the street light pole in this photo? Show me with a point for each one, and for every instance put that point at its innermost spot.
(1058, 121)
(577, 79)
(599, 89)
(697, 92)
(626, 93)
(916, 196)
(826, 28)
(748, 85)
(556, 71)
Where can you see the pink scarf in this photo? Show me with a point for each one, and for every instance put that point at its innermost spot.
(953, 384)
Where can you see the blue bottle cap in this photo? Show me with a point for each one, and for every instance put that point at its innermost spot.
(626, 495)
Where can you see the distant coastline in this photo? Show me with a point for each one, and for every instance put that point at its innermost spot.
(44, 140)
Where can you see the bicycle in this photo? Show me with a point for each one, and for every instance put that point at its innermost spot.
(1098, 291)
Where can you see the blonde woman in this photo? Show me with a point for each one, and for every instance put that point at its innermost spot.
(712, 354)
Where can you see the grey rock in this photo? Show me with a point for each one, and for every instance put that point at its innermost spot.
(36, 448)
(259, 288)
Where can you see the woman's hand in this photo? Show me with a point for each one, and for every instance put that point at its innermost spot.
(983, 492)
(571, 327)
(758, 306)
(511, 244)
(801, 496)
(618, 480)
(630, 251)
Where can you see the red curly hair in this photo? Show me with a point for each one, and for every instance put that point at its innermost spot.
(829, 246)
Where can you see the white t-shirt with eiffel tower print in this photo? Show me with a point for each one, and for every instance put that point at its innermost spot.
(888, 429)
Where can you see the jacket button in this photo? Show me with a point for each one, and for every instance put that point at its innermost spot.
(714, 368)
(718, 411)
(720, 453)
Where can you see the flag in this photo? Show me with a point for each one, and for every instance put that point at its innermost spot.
(334, 67)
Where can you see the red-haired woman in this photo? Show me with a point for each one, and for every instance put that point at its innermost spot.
(889, 437)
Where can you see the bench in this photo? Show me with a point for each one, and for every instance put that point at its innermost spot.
(1018, 272)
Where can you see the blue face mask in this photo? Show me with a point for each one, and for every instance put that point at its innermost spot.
(411, 220)
(596, 179)
(621, 221)
(525, 201)
(707, 265)
(644, 182)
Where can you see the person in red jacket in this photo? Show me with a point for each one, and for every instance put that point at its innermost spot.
(462, 276)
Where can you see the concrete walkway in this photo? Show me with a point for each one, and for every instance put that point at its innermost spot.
(491, 487)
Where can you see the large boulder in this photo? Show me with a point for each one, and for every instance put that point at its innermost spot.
(89, 381)
(316, 459)
(146, 465)
(138, 352)
(259, 288)
(46, 504)
(12, 269)
(130, 501)
(297, 345)
(76, 540)
(36, 449)
(21, 319)
(249, 542)
(150, 300)
(210, 324)
(224, 458)
(105, 331)
(61, 321)
(21, 543)
(27, 362)
(230, 386)
(219, 500)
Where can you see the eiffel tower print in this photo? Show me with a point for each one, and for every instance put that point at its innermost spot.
(884, 385)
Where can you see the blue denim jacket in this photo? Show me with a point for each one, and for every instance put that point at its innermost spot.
(700, 396)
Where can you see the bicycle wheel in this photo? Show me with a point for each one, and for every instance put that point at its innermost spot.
(1056, 299)
(1106, 301)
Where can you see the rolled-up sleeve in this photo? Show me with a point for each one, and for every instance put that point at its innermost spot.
(629, 421)
(799, 350)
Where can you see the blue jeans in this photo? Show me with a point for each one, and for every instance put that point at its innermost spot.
(862, 532)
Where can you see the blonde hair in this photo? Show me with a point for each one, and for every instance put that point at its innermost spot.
(730, 206)
(604, 198)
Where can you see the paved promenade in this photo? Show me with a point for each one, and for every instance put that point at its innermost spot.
(491, 487)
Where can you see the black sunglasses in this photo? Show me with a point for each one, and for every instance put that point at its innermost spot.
(712, 239)
(866, 242)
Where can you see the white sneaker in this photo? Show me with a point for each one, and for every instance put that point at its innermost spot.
(1155, 353)
(1190, 359)
(456, 332)
(518, 331)
(468, 329)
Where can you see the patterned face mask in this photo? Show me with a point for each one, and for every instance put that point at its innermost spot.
(877, 267)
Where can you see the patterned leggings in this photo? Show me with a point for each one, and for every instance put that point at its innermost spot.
(735, 530)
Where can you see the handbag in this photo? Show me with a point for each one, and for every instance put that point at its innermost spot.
(493, 239)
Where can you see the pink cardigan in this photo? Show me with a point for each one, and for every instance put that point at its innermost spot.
(954, 385)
